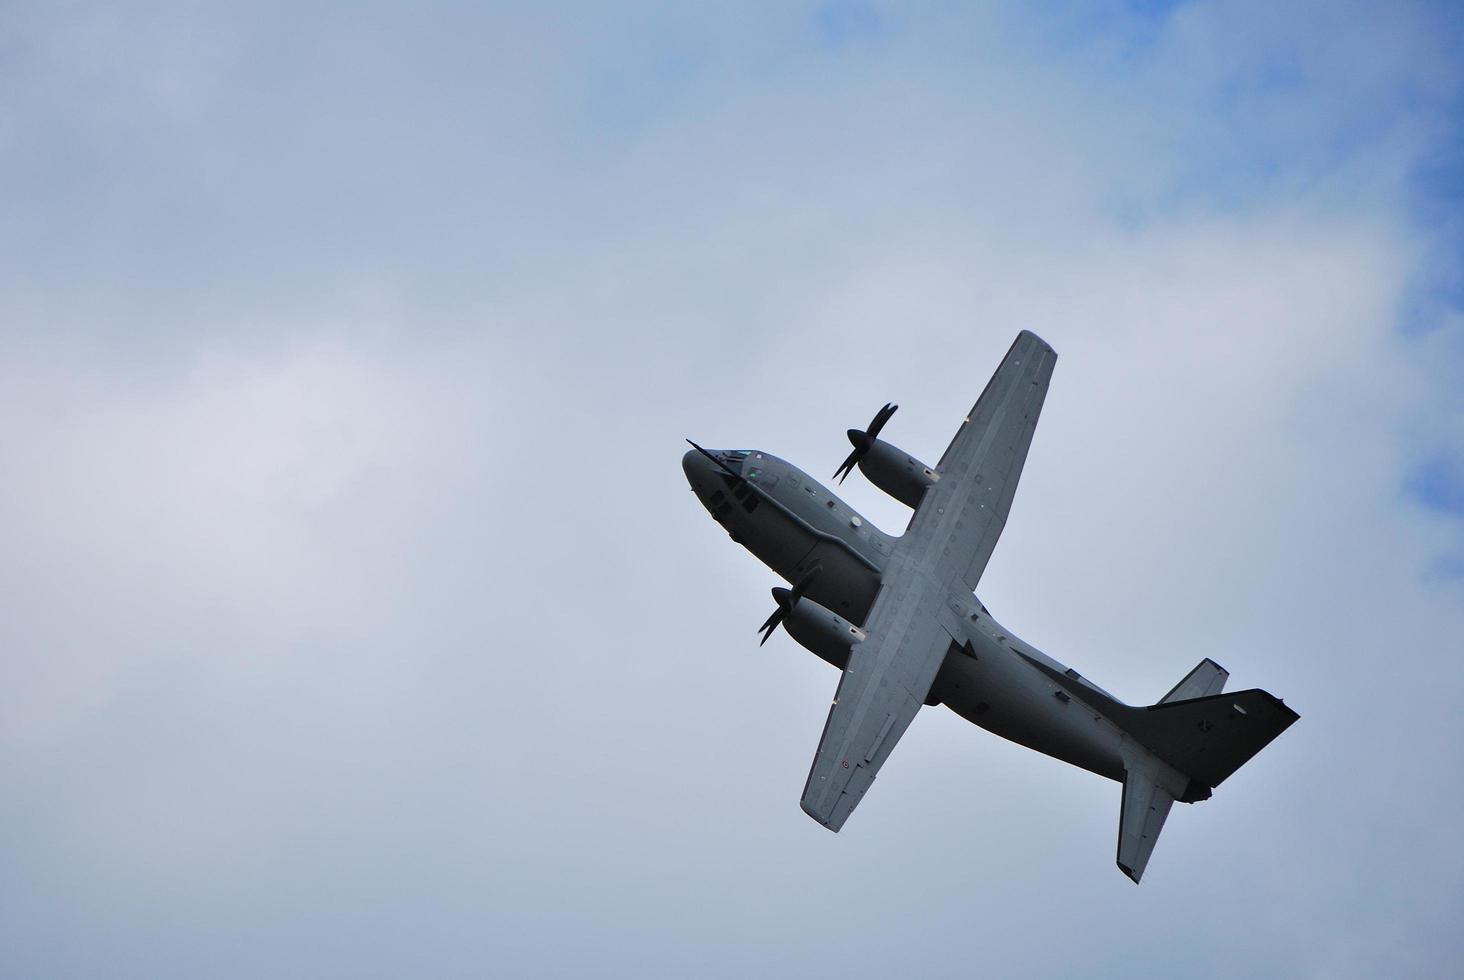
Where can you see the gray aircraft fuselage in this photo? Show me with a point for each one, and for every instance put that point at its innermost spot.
(989, 679)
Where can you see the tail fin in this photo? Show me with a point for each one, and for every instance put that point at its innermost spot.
(1209, 738)
(1205, 738)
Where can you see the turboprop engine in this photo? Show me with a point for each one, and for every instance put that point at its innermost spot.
(887, 466)
(822, 631)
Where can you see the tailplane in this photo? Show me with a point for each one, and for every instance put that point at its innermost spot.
(1195, 737)
(1181, 748)
(1206, 679)
(1141, 817)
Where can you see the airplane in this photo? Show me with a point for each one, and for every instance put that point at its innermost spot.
(899, 617)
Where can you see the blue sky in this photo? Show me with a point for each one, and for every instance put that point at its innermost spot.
(355, 619)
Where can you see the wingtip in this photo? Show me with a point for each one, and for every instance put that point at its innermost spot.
(1029, 335)
(817, 817)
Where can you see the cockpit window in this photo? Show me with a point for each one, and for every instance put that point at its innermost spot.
(761, 477)
(741, 453)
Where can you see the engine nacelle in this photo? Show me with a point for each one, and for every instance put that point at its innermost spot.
(822, 631)
(897, 473)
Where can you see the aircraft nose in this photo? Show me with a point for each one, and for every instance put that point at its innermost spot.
(694, 465)
(699, 466)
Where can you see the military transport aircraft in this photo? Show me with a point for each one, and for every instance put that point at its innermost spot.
(898, 616)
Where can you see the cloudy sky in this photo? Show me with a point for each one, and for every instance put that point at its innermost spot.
(355, 619)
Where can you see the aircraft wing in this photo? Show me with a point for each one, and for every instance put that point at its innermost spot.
(883, 686)
(962, 514)
(949, 541)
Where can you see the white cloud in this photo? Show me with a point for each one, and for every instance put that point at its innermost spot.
(352, 592)
(248, 506)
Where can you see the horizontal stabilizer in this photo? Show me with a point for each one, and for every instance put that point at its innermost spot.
(1141, 818)
(1206, 679)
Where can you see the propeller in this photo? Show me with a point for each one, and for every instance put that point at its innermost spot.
(786, 600)
(861, 441)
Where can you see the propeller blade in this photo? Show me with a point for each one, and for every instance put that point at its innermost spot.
(861, 441)
(767, 628)
(786, 600)
(880, 418)
(802, 585)
(780, 596)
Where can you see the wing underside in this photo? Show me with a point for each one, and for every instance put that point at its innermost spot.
(946, 547)
(882, 688)
(963, 514)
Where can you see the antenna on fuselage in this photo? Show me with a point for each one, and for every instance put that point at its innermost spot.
(718, 461)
